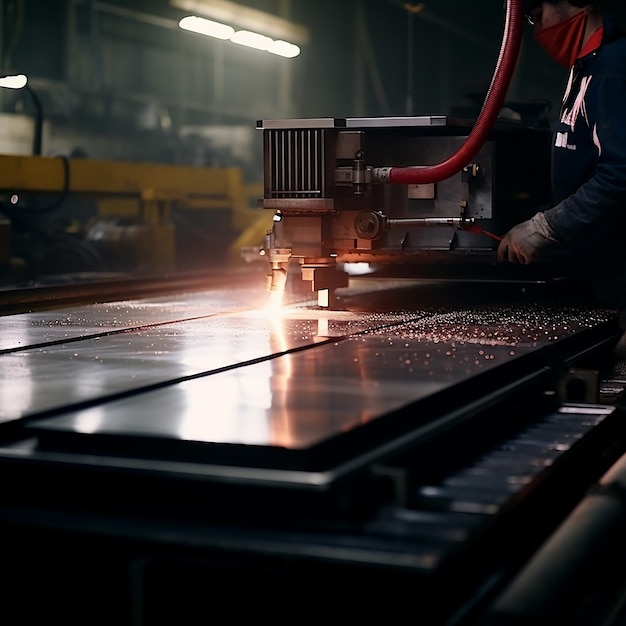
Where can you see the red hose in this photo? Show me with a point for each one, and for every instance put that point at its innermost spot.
(509, 51)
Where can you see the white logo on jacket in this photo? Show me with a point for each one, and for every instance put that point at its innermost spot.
(569, 117)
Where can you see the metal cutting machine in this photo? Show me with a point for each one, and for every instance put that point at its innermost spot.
(325, 181)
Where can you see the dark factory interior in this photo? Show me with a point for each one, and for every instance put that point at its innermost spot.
(305, 203)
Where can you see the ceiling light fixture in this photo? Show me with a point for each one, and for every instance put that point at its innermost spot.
(257, 29)
(206, 27)
(252, 40)
(15, 81)
(246, 18)
(247, 38)
(284, 49)
(20, 81)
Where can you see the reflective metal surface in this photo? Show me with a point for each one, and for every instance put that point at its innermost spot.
(46, 377)
(210, 369)
(33, 329)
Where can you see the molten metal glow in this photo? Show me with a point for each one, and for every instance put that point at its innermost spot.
(275, 303)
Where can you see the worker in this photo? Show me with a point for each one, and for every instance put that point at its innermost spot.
(588, 221)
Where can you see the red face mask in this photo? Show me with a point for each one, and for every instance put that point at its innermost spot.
(562, 41)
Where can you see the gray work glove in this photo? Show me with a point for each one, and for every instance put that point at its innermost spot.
(526, 242)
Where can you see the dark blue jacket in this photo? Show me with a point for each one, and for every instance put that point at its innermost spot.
(589, 155)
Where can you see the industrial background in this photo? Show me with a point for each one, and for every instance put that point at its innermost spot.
(122, 82)
(245, 373)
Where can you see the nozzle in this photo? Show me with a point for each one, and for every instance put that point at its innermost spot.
(277, 280)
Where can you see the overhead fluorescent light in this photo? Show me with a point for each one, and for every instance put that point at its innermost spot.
(247, 38)
(246, 18)
(284, 49)
(252, 40)
(16, 81)
(206, 27)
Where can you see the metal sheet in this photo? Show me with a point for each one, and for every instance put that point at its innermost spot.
(18, 332)
(48, 377)
(295, 399)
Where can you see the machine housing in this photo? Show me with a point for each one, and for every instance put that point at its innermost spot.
(330, 210)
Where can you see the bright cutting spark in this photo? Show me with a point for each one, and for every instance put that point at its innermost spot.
(275, 303)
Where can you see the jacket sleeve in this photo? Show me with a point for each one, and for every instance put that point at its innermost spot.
(600, 202)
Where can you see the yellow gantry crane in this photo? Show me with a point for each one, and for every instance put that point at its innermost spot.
(147, 192)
